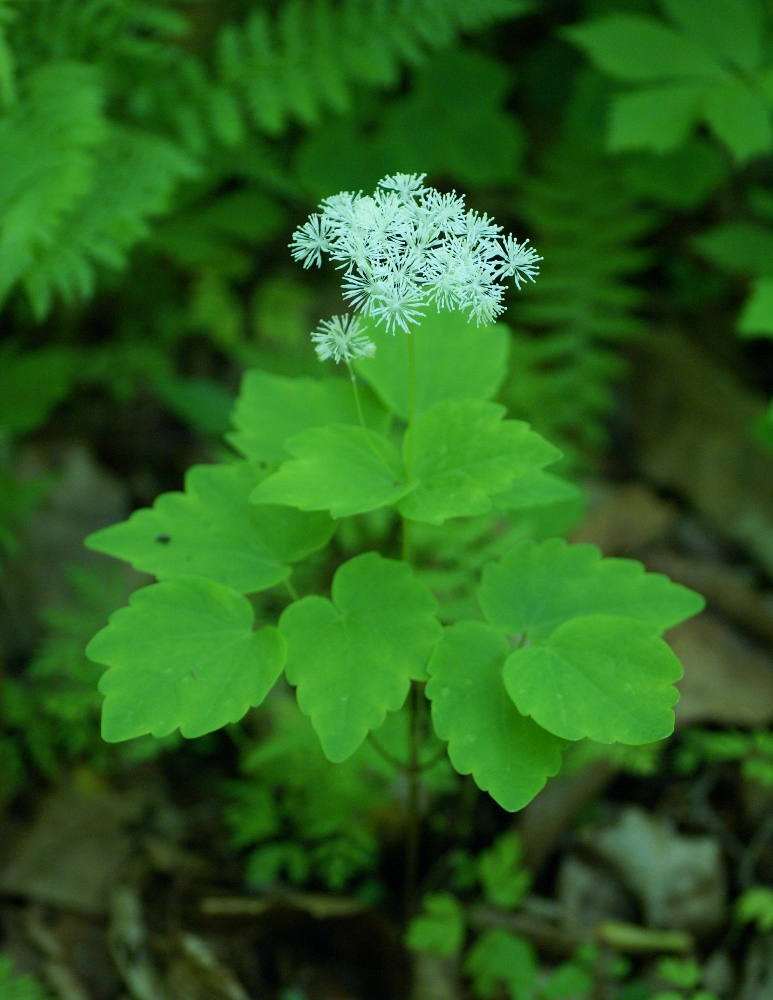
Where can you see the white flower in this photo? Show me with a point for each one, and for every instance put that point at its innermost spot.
(342, 338)
(408, 246)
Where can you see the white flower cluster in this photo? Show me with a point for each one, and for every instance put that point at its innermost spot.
(409, 246)
(342, 338)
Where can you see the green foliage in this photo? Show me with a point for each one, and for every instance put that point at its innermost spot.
(353, 658)
(499, 956)
(507, 753)
(306, 61)
(439, 928)
(454, 361)
(346, 470)
(453, 122)
(464, 452)
(570, 324)
(505, 882)
(14, 987)
(755, 906)
(183, 655)
(754, 752)
(211, 531)
(709, 66)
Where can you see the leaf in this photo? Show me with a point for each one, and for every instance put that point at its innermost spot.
(536, 489)
(682, 179)
(505, 880)
(508, 755)
(48, 139)
(536, 587)
(756, 319)
(641, 50)
(31, 384)
(212, 531)
(353, 659)
(454, 360)
(499, 956)
(602, 676)
(654, 118)
(339, 468)
(454, 122)
(183, 654)
(440, 928)
(730, 29)
(272, 408)
(463, 453)
(746, 247)
(740, 117)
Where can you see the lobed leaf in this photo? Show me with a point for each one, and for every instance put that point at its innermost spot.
(464, 452)
(655, 118)
(183, 655)
(352, 659)
(538, 586)
(212, 531)
(604, 677)
(454, 360)
(499, 956)
(339, 468)
(272, 408)
(642, 50)
(508, 754)
(729, 29)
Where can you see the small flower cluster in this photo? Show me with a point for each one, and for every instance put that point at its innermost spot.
(410, 246)
(342, 338)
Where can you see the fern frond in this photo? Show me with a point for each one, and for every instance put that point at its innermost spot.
(7, 62)
(135, 174)
(304, 61)
(48, 140)
(587, 227)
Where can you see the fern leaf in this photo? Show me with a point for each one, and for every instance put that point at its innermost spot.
(305, 60)
(134, 177)
(48, 140)
(7, 63)
(586, 226)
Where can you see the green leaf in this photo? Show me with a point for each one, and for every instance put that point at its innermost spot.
(654, 118)
(682, 179)
(730, 29)
(440, 928)
(454, 122)
(740, 117)
(272, 408)
(508, 755)
(602, 676)
(463, 453)
(353, 659)
(31, 384)
(756, 319)
(183, 654)
(536, 489)
(454, 360)
(641, 50)
(536, 587)
(499, 956)
(755, 906)
(212, 531)
(339, 468)
(746, 247)
(505, 880)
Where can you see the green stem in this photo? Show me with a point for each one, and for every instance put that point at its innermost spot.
(360, 415)
(411, 404)
(412, 825)
(291, 589)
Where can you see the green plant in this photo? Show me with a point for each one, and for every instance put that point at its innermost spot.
(568, 645)
(12, 986)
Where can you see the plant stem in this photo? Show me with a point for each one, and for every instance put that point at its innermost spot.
(360, 416)
(412, 826)
(291, 589)
(405, 554)
(411, 404)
